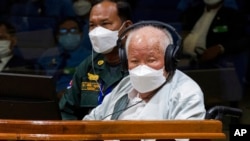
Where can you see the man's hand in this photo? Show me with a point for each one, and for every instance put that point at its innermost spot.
(212, 53)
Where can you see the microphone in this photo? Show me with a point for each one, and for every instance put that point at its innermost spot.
(217, 112)
(122, 110)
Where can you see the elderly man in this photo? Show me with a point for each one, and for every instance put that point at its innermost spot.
(152, 91)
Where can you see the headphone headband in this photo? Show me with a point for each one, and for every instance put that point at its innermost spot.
(175, 35)
(172, 50)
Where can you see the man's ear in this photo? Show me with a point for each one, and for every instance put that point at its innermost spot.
(128, 23)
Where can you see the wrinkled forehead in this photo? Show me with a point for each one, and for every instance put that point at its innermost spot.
(148, 35)
(147, 32)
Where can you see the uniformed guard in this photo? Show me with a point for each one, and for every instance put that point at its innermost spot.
(97, 75)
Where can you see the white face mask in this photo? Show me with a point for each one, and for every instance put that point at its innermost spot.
(211, 2)
(4, 47)
(146, 79)
(82, 7)
(103, 40)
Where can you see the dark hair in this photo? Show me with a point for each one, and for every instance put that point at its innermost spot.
(62, 21)
(123, 8)
(68, 19)
(10, 28)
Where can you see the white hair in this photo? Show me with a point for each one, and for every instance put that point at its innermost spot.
(166, 40)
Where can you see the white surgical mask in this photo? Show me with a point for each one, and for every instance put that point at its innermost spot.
(211, 2)
(82, 7)
(103, 40)
(4, 47)
(145, 79)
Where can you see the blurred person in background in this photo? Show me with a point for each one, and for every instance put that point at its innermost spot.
(82, 9)
(11, 59)
(215, 37)
(62, 60)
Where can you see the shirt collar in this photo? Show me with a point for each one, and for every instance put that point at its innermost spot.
(133, 96)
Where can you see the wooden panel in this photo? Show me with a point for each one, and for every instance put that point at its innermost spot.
(100, 130)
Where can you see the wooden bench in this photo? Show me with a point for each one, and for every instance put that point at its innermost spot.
(107, 130)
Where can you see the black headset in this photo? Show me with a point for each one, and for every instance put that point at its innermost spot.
(172, 53)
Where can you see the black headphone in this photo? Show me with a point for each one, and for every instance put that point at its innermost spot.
(172, 53)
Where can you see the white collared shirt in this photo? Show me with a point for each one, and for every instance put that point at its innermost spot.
(181, 98)
(136, 106)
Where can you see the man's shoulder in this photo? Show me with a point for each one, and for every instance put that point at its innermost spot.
(51, 52)
(91, 58)
(48, 55)
(185, 86)
(124, 85)
(181, 80)
(88, 62)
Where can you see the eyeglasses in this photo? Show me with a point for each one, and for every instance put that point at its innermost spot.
(71, 30)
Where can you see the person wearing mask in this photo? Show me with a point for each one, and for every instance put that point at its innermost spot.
(97, 75)
(62, 60)
(11, 59)
(82, 9)
(154, 88)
